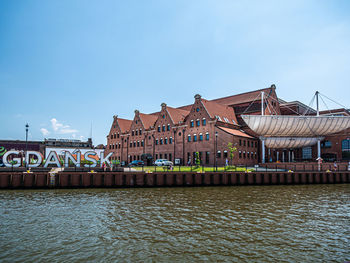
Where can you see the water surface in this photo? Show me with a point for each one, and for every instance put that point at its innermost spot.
(232, 224)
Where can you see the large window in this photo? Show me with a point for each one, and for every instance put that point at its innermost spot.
(307, 153)
(345, 148)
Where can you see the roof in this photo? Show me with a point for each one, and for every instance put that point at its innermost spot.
(235, 132)
(243, 97)
(124, 124)
(305, 126)
(221, 112)
(148, 120)
(177, 115)
(290, 142)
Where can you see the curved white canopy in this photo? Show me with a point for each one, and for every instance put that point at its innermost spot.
(290, 142)
(304, 126)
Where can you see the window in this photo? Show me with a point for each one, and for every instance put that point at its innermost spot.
(244, 155)
(166, 141)
(163, 128)
(161, 141)
(189, 138)
(194, 137)
(110, 146)
(225, 119)
(218, 154)
(158, 128)
(256, 144)
(345, 148)
(168, 127)
(192, 123)
(170, 140)
(207, 136)
(198, 123)
(240, 154)
(244, 143)
(248, 143)
(160, 156)
(163, 116)
(218, 117)
(142, 143)
(170, 156)
(179, 133)
(156, 156)
(134, 143)
(156, 141)
(130, 144)
(132, 133)
(197, 109)
(149, 137)
(207, 157)
(204, 122)
(248, 155)
(326, 144)
(240, 142)
(138, 143)
(201, 137)
(225, 154)
(307, 153)
(136, 132)
(118, 135)
(140, 131)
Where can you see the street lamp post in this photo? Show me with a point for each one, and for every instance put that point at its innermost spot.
(216, 151)
(25, 154)
(183, 146)
(174, 144)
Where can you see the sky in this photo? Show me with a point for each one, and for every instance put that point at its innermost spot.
(68, 66)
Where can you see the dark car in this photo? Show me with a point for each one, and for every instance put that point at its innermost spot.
(137, 163)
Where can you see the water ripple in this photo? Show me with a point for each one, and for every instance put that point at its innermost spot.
(228, 224)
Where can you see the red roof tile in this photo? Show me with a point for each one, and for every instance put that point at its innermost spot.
(221, 112)
(177, 115)
(148, 120)
(243, 97)
(124, 124)
(236, 132)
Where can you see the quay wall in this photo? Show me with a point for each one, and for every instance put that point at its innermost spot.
(42, 180)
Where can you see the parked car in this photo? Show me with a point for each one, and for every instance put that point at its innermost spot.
(163, 162)
(137, 163)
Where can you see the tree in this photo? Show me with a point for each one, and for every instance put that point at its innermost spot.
(197, 160)
(231, 149)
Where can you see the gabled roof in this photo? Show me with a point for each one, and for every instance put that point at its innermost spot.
(244, 97)
(124, 124)
(177, 115)
(221, 112)
(148, 120)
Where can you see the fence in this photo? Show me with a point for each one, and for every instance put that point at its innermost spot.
(18, 180)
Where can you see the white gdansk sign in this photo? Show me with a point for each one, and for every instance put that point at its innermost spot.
(53, 159)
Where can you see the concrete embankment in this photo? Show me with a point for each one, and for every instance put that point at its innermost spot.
(20, 180)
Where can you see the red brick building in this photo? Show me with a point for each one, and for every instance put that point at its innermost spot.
(207, 126)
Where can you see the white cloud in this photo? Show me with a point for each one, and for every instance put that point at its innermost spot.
(44, 131)
(60, 128)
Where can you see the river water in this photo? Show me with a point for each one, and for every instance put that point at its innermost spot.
(228, 224)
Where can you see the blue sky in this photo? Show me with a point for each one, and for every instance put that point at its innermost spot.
(65, 64)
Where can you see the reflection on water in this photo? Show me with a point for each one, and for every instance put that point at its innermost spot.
(236, 224)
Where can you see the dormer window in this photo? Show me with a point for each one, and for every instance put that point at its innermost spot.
(218, 117)
(226, 119)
